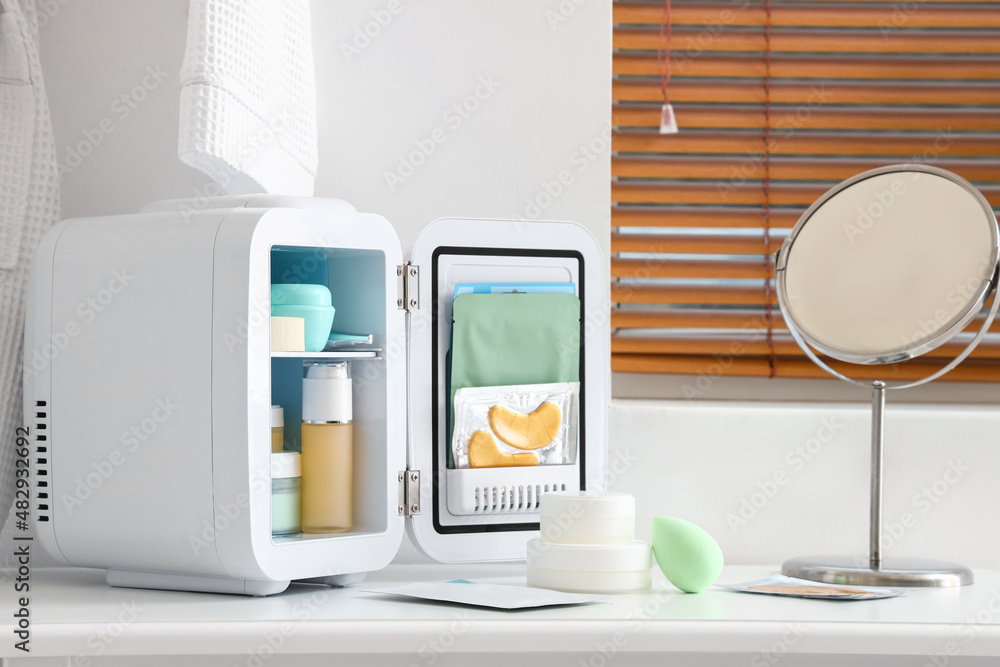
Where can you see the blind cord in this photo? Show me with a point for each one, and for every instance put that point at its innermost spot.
(668, 123)
(772, 358)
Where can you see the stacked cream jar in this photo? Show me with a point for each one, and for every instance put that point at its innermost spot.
(588, 544)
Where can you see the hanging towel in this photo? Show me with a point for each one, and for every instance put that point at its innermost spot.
(29, 204)
(248, 96)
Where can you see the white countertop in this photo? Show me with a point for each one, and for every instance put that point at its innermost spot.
(73, 612)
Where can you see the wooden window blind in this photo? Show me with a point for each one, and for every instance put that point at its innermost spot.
(776, 103)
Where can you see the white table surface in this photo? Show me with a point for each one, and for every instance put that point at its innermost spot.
(74, 613)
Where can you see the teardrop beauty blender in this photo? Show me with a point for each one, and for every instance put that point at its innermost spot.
(526, 431)
(688, 556)
(483, 453)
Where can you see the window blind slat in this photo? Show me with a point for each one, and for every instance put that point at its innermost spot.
(691, 115)
(726, 244)
(707, 217)
(732, 295)
(685, 317)
(840, 68)
(793, 367)
(692, 40)
(735, 193)
(733, 14)
(815, 94)
(687, 268)
(756, 343)
(782, 168)
(943, 143)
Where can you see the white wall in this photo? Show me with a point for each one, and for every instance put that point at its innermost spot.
(773, 481)
(548, 98)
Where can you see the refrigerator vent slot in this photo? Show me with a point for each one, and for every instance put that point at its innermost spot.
(480, 491)
(41, 460)
(494, 500)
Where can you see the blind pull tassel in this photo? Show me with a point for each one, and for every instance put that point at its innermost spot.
(668, 124)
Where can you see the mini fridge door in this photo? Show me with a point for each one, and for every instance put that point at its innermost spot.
(491, 513)
(357, 255)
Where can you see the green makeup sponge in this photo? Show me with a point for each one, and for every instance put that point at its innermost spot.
(688, 556)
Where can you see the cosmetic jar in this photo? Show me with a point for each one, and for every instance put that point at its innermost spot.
(313, 303)
(277, 429)
(286, 493)
(587, 518)
(587, 545)
(590, 568)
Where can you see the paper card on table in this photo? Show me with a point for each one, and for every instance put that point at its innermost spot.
(497, 596)
(784, 586)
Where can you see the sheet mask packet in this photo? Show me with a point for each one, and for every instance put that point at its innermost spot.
(783, 586)
(472, 414)
(509, 339)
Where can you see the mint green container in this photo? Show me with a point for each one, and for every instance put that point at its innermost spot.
(313, 303)
(286, 493)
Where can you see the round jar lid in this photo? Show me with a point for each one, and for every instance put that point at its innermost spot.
(286, 464)
(579, 504)
(300, 294)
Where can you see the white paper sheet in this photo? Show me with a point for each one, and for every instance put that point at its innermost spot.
(498, 596)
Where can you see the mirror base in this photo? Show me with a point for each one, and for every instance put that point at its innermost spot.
(895, 572)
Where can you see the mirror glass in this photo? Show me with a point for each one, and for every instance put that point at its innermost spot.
(889, 264)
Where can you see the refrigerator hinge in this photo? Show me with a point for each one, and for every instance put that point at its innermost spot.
(407, 287)
(409, 492)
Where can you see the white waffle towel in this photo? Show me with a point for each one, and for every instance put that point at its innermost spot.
(248, 96)
(29, 204)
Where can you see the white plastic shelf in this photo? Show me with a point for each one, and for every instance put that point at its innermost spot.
(336, 354)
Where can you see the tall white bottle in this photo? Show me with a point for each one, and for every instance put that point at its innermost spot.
(327, 449)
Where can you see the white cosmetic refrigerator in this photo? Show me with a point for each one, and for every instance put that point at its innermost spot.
(149, 379)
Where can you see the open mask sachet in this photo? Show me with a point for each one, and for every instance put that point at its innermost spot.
(515, 425)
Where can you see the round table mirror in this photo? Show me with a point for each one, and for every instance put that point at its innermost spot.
(887, 266)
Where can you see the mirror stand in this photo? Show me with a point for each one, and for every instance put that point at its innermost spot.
(859, 303)
(875, 570)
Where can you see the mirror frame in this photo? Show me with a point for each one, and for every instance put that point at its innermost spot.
(946, 333)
